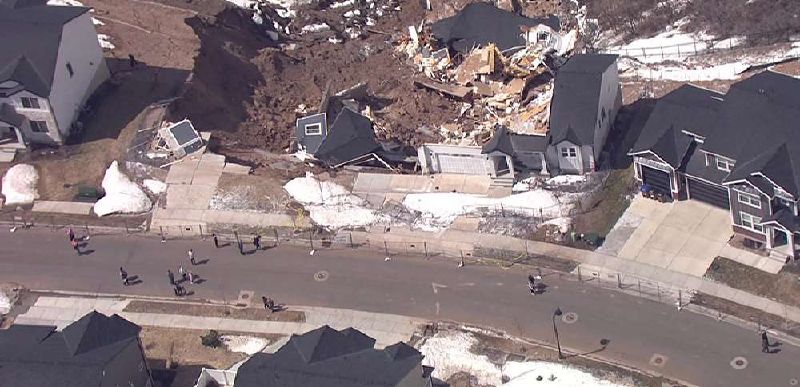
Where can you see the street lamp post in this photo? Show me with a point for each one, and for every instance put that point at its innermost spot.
(557, 313)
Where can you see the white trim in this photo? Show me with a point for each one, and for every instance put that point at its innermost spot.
(758, 173)
(723, 185)
(752, 221)
(749, 197)
(317, 132)
(728, 165)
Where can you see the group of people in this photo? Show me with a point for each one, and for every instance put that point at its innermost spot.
(184, 276)
(76, 242)
(239, 243)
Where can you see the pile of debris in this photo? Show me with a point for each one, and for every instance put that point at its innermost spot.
(498, 64)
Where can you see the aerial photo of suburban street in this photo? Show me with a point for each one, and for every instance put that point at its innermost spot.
(399, 193)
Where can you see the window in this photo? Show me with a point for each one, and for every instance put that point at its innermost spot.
(30, 103)
(569, 152)
(69, 70)
(750, 199)
(751, 222)
(39, 126)
(313, 129)
(724, 164)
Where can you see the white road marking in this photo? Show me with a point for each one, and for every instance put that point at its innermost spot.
(467, 284)
(437, 308)
(436, 287)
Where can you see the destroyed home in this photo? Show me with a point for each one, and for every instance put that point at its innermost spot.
(586, 99)
(331, 358)
(177, 140)
(96, 350)
(735, 151)
(50, 64)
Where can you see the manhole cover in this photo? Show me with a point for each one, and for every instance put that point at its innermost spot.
(792, 382)
(570, 317)
(658, 360)
(739, 363)
(321, 276)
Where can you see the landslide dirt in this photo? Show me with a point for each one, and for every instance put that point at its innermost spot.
(246, 90)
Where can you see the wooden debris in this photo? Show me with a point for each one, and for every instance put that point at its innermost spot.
(456, 91)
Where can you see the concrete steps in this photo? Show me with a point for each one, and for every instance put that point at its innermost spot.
(502, 181)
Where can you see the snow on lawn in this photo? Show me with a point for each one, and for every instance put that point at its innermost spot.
(244, 344)
(449, 353)
(75, 3)
(563, 224)
(154, 186)
(440, 209)
(330, 204)
(566, 179)
(19, 184)
(122, 195)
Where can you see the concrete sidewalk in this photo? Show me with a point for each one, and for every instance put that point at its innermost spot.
(600, 266)
(386, 329)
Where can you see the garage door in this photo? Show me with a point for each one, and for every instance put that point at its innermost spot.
(708, 193)
(462, 165)
(657, 179)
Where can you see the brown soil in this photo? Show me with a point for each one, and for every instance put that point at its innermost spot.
(186, 309)
(256, 107)
(783, 287)
(250, 193)
(727, 307)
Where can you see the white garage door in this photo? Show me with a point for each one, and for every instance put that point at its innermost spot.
(466, 165)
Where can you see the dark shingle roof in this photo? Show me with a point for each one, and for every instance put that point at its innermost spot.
(687, 108)
(330, 358)
(512, 143)
(758, 127)
(479, 24)
(40, 356)
(29, 47)
(9, 115)
(785, 218)
(351, 136)
(576, 95)
(184, 132)
(500, 142)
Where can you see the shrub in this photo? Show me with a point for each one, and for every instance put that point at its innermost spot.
(211, 339)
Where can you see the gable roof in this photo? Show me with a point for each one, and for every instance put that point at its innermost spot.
(31, 38)
(40, 356)
(351, 136)
(758, 127)
(576, 95)
(331, 358)
(478, 24)
(512, 143)
(687, 108)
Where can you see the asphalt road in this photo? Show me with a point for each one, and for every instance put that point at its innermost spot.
(697, 349)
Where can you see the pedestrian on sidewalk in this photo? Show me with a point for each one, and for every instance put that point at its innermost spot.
(171, 277)
(190, 253)
(76, 246)
(124, 275)
(264, 299)
(270, 305)
(764, 342)
(216, 240)
(257, 242)
(182, 273)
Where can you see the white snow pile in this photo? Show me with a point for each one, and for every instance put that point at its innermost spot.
(19, 184)
(244, 344)
(566, 179)
(438, 210)
(105, 41)
(329, 204)
(449, 353)
(7, 299)
(154, 186)
(673, 44)
(563, 223)
(311, 28)
(122, 195)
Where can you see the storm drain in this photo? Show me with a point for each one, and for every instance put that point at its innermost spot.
(321, 276)
(658, 360)
(739, 363)
(570, 317)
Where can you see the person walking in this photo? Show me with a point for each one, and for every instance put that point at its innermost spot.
(764, 342)
(191, 257)
(257, 242)
(124, 275)
(216, 240)
(171, 277)
(76, 246)
(179, 290)
(182, 273)
(241, 247)
(270, 305)
(191, 277)
(71, 234)
(265, 300)
(532, 283)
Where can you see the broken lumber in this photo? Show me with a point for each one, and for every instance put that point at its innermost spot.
(459, 92)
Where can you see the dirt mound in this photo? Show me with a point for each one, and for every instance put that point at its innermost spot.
(248, 92)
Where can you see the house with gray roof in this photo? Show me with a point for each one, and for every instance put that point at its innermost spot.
(326, 357)
(740, 151)
(586, 99)
(50, 64)
(97, 350)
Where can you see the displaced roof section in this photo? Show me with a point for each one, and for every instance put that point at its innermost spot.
(479, 24)
(331, 358)
(512, 144)
(75, 357)
(10, 116)
(350, 137)
(576, 96)
(184, 132)
(31, 37)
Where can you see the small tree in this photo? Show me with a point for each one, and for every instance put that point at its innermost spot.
(211, 339)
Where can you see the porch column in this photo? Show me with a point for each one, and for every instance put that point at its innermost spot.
(790, 242)
(510, 163)
(544, 165)
(770, 234)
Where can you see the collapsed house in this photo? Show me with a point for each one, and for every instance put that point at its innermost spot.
(177, 140)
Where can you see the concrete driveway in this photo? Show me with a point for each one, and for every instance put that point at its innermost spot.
(683, 236)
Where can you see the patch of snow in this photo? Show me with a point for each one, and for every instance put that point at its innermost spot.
(355, 12)
(71, 3)
(563, 223)
(122, 195)
(315, 28)
(105, 41)
(19, 184)
(566, 179)
(329, 204)
(244, 344)
(523, 185)
(302, 155)
(155, 186)
(438, 210)
(449, 353)
(342, 4)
